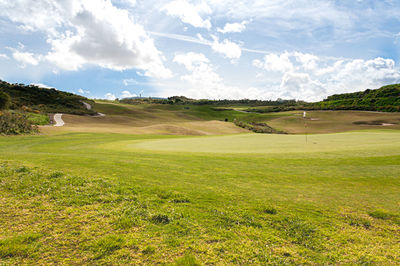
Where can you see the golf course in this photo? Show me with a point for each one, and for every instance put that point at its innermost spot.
(183, 185)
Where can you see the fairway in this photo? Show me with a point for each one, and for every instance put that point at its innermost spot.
(192, 120)
(371, 142)
(233, 199)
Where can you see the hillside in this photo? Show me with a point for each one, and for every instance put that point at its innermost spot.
(34, 98)
(386, 99)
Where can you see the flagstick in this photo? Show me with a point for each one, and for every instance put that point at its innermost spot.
(305, 125)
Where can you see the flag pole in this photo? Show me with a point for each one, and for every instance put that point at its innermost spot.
(305, 125)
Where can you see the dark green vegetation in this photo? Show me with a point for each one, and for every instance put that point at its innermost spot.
(14, 123)
(258, 127)
(182, 100)
(32, 98)
(385, 99)
(5, 100)
(93, 198)
(31, 105)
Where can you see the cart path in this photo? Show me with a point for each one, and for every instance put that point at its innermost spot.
(58, 120)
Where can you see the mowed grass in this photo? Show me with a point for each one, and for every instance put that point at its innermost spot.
(209, 120)
(100, 198)
(335, 121)
(148, 119)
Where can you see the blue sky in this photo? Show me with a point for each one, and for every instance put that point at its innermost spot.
(216, 49)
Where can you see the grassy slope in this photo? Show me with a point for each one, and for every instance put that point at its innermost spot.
(29, 98)
(146, 119)
(334, 121)
(205, 120)
(97, 198)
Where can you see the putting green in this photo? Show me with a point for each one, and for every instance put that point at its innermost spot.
(371, 142)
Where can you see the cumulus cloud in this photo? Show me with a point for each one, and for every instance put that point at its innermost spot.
(189, 13)
(229, 49)
(275, 62)
(81, 91)
(110, 96)
(41, 85)
(309, 77)
(89, 33)
(300, 86)
(233, 27)
(4, 56)
(26, 58)
(202, 81)
(127, 94)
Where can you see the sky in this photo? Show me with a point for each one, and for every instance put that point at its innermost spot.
(213, 49)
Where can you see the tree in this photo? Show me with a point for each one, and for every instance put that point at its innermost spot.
(5, 100)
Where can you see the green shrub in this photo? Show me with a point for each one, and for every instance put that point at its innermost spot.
(5, 100)
(15, 124)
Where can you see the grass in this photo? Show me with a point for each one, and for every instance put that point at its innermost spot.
(208, 120)
(99, 198)
(38, 119)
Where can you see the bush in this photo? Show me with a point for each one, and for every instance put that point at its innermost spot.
(5, 100)
(15, 124)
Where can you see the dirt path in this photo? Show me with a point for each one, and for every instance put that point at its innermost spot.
(89, 107)
(58, 120)
(58, 117)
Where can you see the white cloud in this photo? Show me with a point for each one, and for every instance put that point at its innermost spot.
(274, 62)
(44, 15)
(308, 61)
(309, 77)
(300, 13)
(127, 94)
(41, 85)
(26, 58)
(129, 3)
(81, 91)
(203, 82)
(110, 96)
(189, 13)
(191, 60)
(300, 86)
(229, 49)
(89, 33)
(233, 27)
(4, 56)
